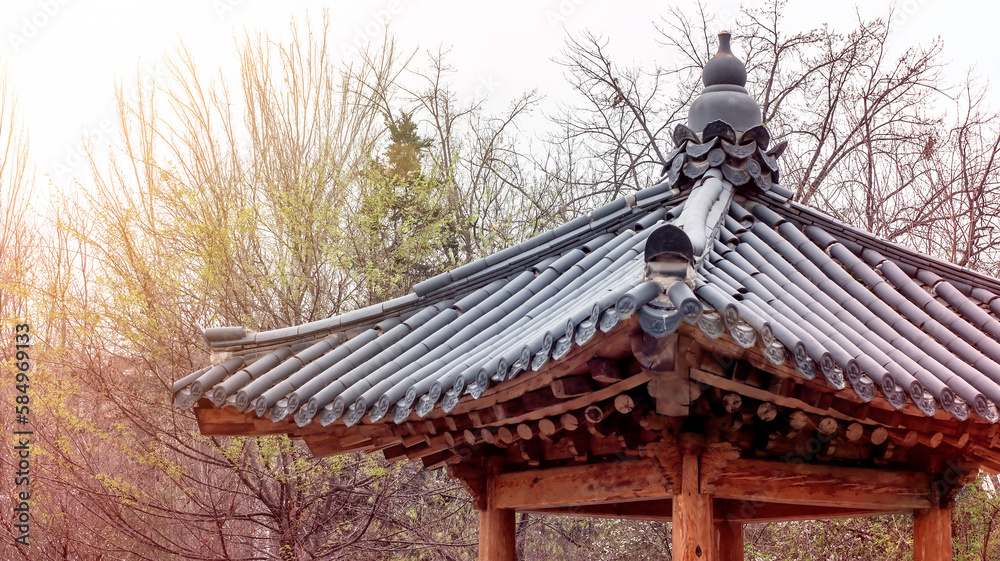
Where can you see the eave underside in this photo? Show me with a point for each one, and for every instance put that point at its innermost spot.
(629, 402)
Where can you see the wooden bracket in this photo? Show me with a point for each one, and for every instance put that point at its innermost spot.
(665, 361)
(655, 355)
(472, 476)
(713, 463)
(668, 455)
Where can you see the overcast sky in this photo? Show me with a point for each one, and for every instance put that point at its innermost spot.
(65, 55)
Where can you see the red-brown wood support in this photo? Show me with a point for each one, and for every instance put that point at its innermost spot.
(693, 527)
(932, 534)
(496, 535)
(730, 540)
(497, 530)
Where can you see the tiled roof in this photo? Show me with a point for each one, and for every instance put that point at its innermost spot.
(727, 252)
(456, 333)
(831, 299)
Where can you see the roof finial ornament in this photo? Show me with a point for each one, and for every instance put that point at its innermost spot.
(724, 97)
(724, 67)
(724, 130)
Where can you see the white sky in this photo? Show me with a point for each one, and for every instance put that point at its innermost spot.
(66, 55)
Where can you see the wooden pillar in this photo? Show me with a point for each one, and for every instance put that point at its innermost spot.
(730, 540)
(693, 528)
(932, 534)
(496, 535)
(497, 530)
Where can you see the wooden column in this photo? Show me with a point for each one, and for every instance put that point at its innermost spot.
(730, 540)
(932, 534)
(693, 528)
(497, 540)
(496, 535)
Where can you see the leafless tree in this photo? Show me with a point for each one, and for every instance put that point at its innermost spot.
(251, 205)
(217, 207)
(19, 252)
(17, 237)
(615, 132)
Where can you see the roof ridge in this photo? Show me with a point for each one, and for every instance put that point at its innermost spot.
(705, 211)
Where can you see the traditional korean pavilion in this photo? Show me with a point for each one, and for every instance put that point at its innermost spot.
(705, 351)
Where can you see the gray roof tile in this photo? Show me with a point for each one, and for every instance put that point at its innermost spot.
(614, 206)
(213, 334)
(787, 279)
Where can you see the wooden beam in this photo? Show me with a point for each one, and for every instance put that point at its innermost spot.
(693, 527)
(624, 404)
(824, 485)
(932, 534)
(746, 512)
(583, 484)
(728, 385)
(723, 510)
(990, 457)
(605, 371)
(607, 392)
(655, 509)
(572, 386)
(321, 446)
(440, 459)
(224, 422)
